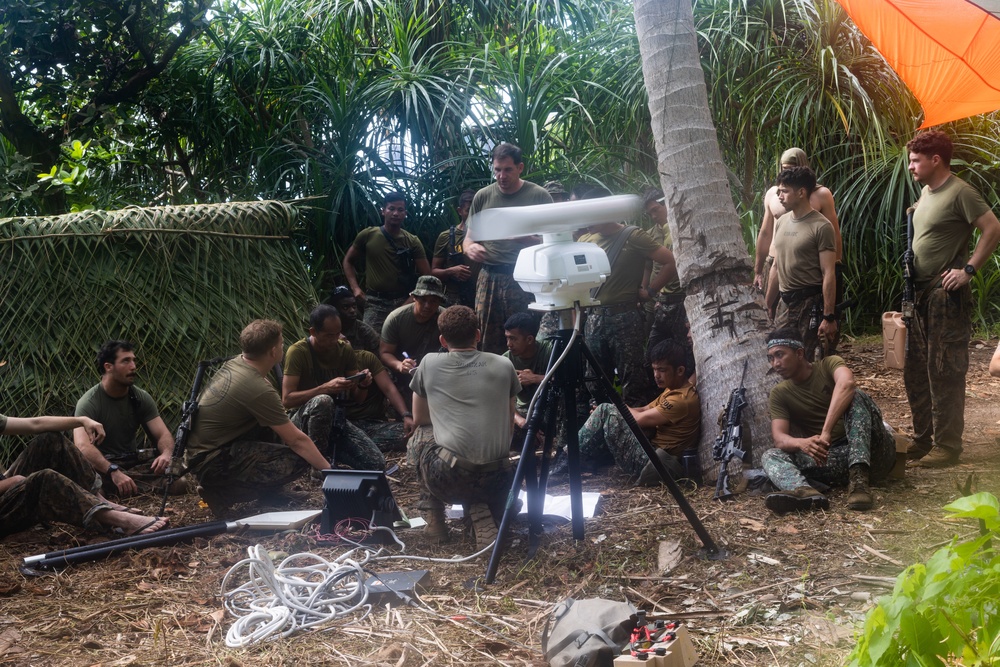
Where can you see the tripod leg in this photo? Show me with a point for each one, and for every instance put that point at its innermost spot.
(710, 547)
(536, 495)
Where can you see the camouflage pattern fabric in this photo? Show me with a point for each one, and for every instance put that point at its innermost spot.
(936, 364)
(57, 477)
(387, 436)
(867, 441)
(351, 446)
(246, 470)
(606, 437)
(670, 322)
(377, 309)
(498, 296)
(617, 340)
(140, 472)
(440, 483)
(799, 316)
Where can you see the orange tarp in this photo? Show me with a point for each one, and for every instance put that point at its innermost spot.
(946, 51)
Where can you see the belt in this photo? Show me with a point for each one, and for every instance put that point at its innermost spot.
(463, 464)
(503, 269)
(387, 295)
(793, 296)
(618, 308)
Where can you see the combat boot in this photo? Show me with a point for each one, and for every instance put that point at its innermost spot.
(484, 527)
(436, 529)
(939, 457)
(859, 496)
(802, 499)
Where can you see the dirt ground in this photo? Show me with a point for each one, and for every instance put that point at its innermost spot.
(792, 591)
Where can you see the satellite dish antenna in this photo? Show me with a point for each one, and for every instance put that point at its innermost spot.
(560, 271)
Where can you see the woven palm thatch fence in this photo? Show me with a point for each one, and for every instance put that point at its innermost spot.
(180, 282)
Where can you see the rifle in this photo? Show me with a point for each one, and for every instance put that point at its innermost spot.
(188, 413)
(909, 293)
(821, 350)
(729, 444)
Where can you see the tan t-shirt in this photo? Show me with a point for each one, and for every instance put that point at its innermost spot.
(942, 227)
(505, 251)
(382, 267)
(805, 405)
(338, 361)
(623, 284)
(682, 409)
(797, 245)
(237, 399)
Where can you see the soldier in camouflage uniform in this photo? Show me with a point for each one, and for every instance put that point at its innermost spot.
(937, 356)
(232, 449)
(665, 314)
(52, 481)
(824, 428)
(615, 330)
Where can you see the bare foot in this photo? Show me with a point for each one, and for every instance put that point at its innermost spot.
(118, 507)
(131, 524)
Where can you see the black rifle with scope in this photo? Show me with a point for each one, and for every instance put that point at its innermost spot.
(729, 444)
(188, 413)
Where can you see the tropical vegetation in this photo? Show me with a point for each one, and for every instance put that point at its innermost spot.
(331, 103)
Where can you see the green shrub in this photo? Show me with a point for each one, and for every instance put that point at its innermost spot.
(944, 611)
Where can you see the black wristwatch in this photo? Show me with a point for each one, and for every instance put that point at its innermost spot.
(407, 414)
(830, 318)
(970, 269)
(111, 468)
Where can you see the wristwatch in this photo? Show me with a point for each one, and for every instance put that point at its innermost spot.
(407, 414)
(970, 269)
(829, 318)
(111, 468)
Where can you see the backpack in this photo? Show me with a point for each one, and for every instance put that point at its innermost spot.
(587, 633)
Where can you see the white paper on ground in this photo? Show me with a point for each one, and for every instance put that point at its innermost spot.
(554, 506)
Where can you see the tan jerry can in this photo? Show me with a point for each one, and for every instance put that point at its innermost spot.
(893, 340)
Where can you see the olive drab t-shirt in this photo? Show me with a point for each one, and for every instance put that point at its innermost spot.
(382, 267)
(805, 405)
(662, 236)
(361, 336)
(797, 244)
(477, 386)
(121, 419)
(622, 286)
(942, 227)
(682, 409)
(373, 405)
(339, 361)
(505, 251)
(415, 338)
(443, 249)
(235, 400)
(537, 365)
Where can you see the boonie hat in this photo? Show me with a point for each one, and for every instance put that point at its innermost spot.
(795, 157)
(555, 188)
(429, 286)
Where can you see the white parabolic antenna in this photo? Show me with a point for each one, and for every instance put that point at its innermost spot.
(560, 271)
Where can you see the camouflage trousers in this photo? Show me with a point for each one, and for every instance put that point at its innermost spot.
(141, 473)
(57, 487)
(799, 316)
(377, 309)
(498, 296)
(348, 445)
(937, 360)
(867, 442)
(441, 482)
(249, 468)
(606, 436)
(387, 436)
(670, 322)
(617, 340)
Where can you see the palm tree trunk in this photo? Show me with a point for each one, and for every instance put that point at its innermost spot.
(728, 320)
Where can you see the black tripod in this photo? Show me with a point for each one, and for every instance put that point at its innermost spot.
(570, 347)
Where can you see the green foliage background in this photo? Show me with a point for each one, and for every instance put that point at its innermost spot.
(332, 103)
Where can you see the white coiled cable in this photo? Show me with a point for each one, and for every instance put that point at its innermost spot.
(303, 591)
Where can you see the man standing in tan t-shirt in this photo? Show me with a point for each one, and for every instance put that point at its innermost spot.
(802, 287)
